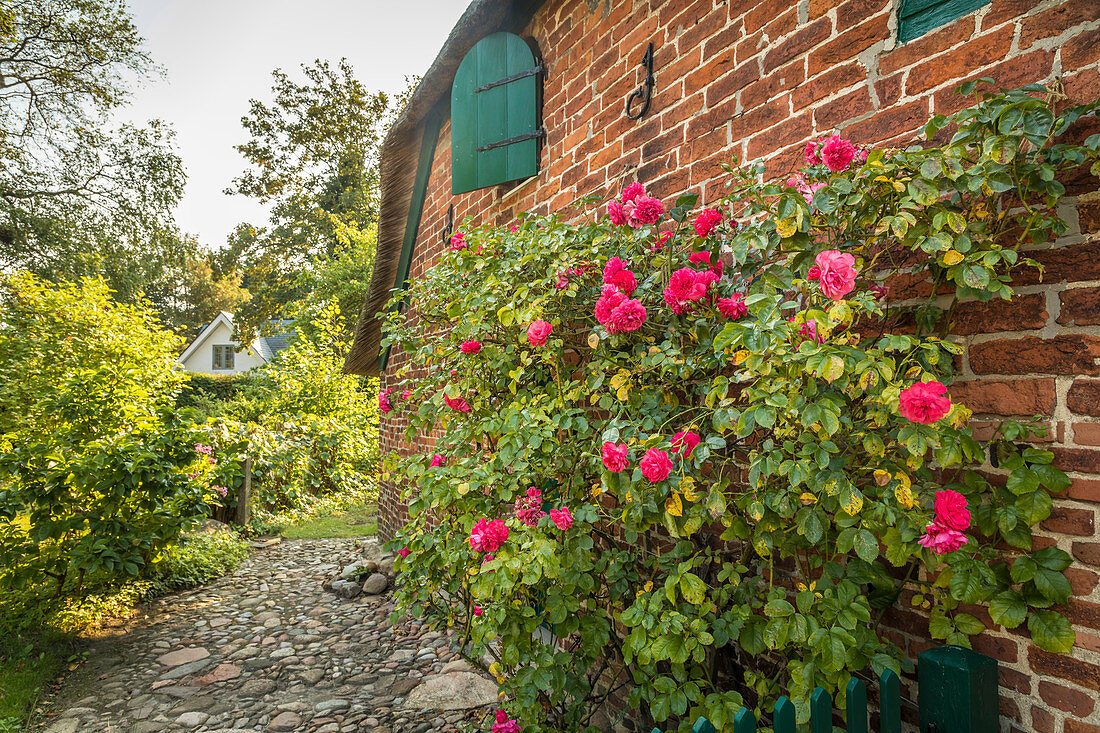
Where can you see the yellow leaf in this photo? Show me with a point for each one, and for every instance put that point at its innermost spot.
(593, 340)
(852, 502)
(905, 496)
(740, 357)
(952, 257)
(673, 505)
(882, 477)
(687, 488)
(903, 479)
(463, 488)
(648, 586)
(786, 227)
(623, 393)
(834, 367)
(807, 498)
(960, 415)
(762, 548)
(868, 379)
(597, 489)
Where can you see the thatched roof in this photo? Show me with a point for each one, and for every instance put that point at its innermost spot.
(398, 157)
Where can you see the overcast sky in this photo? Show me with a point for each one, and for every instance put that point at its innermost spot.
(218, 54)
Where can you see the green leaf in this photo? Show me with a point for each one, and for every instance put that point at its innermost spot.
(693, 588)
(1007, 609)
(1052, 584)
(866, 545)
(1051, 631)
(969, 625)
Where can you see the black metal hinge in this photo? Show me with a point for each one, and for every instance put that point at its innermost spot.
(513, 140)
(508, 79)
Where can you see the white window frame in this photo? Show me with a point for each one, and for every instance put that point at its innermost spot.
(223, 358)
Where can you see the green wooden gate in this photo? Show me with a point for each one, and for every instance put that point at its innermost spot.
(957, 693)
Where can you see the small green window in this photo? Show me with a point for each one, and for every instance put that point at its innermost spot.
(917, 17)
(495, 114)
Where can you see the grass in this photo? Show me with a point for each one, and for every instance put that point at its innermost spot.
(358, 520)
(28, 663)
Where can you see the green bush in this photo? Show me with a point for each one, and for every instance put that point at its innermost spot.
(219, 395)
(743, 467)
(198, 558)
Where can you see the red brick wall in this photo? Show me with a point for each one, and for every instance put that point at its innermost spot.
(756, 80)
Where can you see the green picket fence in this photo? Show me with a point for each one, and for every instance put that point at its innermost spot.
(821, 711)
(957, 691)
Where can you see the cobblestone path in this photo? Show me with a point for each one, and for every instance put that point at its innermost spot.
(267, 649)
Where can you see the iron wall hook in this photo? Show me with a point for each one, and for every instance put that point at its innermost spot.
(645, 91)
(450, 226)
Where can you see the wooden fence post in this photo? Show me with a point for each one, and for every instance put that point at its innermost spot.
(957, 691)
(244, 496)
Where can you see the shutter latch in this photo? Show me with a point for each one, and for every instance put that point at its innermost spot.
(508, 79)
(513, 140)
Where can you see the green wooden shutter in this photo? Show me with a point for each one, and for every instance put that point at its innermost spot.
(917, 17)
(494, 100)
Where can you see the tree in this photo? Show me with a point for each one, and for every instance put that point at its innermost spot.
(198, 290)
(80, 196)
(76, 365)
(312, 155)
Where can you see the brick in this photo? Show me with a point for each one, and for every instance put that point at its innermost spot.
(1088, 214)
(1082, 613)
(1083, 397)
(1081, 581)
(1079, 726)
(1022, 313)
(1086, 552)
(1088, 641)
(838, 111)
(798, 43)
(982, 51)
(998, 647)
(837, 78)
(1056, 20)
(1041, 720)
(1070, 521)
(781, 80)
(889, 123)
(848, 44)
(1083, 489)
(928, 45)
(1067, 668)
(1086, 433)
(1016, 71)
(1081, 50)
(1007, 397)
(1085, 460)
(1012, 679)
(1080, 307)
(1069, 355)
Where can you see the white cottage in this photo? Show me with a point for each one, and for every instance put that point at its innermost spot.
(215, 352)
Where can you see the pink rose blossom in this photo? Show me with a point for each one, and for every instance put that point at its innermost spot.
(684, 443)
(478, 611)
(696, 258)
(384, 403)
(633, 192)
(221, 491)
(488, 535)
(505, 725)
(808, 330)
(924, 402)
(528, 507)
(615, 273)
(406, 394)
(838, 273)
(804, 187)
(951, 510)
(438, 460)
(838, 153)
(615, 457)
(662, 240)
(618, 313)
(812, 154)
(204, 449)
(470, 347)
(880, 291)
(458, 241)
(617, 214)
(562, 518)
(941, 540)
(707, 221)
(656, 465)
(647, 210)
(457, 403)
(685, 287)
(403, 552)
(861, 156)
(814, 273)
(538, 332)
(733, 307)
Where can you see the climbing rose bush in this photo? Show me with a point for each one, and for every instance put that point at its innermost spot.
(704, 455)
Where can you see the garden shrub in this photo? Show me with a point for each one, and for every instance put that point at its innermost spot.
(710, 477)
(217, 394)
(198, 558)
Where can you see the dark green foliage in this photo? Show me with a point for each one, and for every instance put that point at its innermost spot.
(212, 395)
(197, 559)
